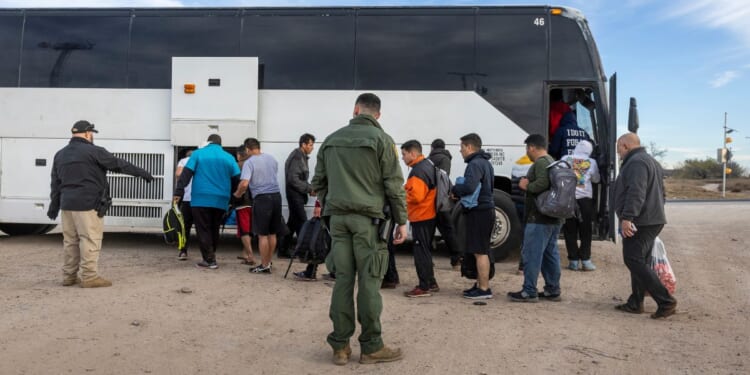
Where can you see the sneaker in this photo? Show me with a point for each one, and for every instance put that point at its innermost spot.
(261, 269)
(417, 292)
(573, 265)
(388, 285)
(588, 265)
(301, 276)
(547, 296)
(385, 354)
(434, 288)
(341, 357)
(97, 282)
(479, 294)
(182, 255)
(208, 265)
(522, 297)
(473, 287)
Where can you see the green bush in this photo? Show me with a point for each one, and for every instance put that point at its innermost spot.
(707, 168)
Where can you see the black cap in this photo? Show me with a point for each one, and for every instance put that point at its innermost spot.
(82, 127)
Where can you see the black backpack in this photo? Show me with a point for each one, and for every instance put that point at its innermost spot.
(560, 200)
(173, 227)
(313, 242)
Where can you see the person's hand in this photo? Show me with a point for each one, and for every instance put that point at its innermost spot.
(148, 177)
(313, 193)
(628, 229)
(523, 183)
(400, 235)
(52, 215)
(316, 212)
(176, 200)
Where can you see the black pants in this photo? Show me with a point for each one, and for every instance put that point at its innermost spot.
(445, 226)
(207, 224)
(297, 213)
(187, 219)
(636, 252)
(579, 229)
(423, 232)
(391, 275)
(311, 270)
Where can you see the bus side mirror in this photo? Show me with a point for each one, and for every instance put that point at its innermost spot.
(633, 116)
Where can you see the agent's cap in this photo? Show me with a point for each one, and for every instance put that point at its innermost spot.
(83, 126)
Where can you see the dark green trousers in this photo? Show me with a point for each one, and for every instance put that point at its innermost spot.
(357, 254)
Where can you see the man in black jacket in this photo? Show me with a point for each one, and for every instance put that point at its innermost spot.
(479, 219)
(639, 203)
(442, 159)
(296, 175)
(79, 187)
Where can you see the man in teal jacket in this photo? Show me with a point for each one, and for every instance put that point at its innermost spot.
(356, 176)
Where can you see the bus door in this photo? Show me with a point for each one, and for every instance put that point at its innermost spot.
(586, 100)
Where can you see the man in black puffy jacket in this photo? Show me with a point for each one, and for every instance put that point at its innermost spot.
(79, 188)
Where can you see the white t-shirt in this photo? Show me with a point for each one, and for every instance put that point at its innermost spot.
(188, 189)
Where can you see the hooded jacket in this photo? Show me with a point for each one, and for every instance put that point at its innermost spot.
(520, 169)
(478, 171)
(567, 136)
(420, 190)
(296, 173)
(586, 169)
(442, 159)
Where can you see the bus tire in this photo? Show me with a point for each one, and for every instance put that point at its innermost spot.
(506, 233)
(13, 229)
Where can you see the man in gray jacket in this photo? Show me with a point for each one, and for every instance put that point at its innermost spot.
(639, 203)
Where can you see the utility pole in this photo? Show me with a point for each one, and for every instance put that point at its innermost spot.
(725, 159)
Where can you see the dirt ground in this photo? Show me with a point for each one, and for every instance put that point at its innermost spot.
(235, 322)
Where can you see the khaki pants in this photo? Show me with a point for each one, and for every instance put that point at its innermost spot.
(82, 240)
(358, 255)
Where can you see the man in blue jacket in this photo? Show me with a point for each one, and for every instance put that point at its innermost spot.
(480, 219)
(567, 136)
(214, 173)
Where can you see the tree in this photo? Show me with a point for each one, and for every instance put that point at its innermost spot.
(707, 168)
(658, 153)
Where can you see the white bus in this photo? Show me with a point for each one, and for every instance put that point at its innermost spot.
(276, 73)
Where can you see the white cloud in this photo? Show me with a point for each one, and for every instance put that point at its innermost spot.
(730, 15)
(89, 3)
(724, 78)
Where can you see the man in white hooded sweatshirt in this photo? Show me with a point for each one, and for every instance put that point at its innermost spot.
(579, 228)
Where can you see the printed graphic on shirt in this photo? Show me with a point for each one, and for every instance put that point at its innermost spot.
(581, 168)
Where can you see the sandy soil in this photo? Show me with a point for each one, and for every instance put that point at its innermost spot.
(235, 322)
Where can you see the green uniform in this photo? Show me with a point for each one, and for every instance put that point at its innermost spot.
(356, 175)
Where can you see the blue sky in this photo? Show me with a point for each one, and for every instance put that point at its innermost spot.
(686, 61)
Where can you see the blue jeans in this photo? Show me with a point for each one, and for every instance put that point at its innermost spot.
(540, 253)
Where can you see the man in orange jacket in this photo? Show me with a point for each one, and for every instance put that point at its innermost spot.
(420, 208)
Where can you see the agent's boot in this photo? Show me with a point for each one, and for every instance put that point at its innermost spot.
(341, 356)
(97, 282)
(385, 354)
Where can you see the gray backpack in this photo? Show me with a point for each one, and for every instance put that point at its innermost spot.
(560, 200)
(443, 185)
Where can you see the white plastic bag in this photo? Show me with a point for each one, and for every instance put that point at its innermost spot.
(660, 265)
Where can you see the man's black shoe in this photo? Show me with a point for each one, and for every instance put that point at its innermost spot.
(522, 297)
(664, 312)
(547, 296)
(629, 309)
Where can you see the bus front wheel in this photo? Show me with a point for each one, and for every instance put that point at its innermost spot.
(13, 229)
